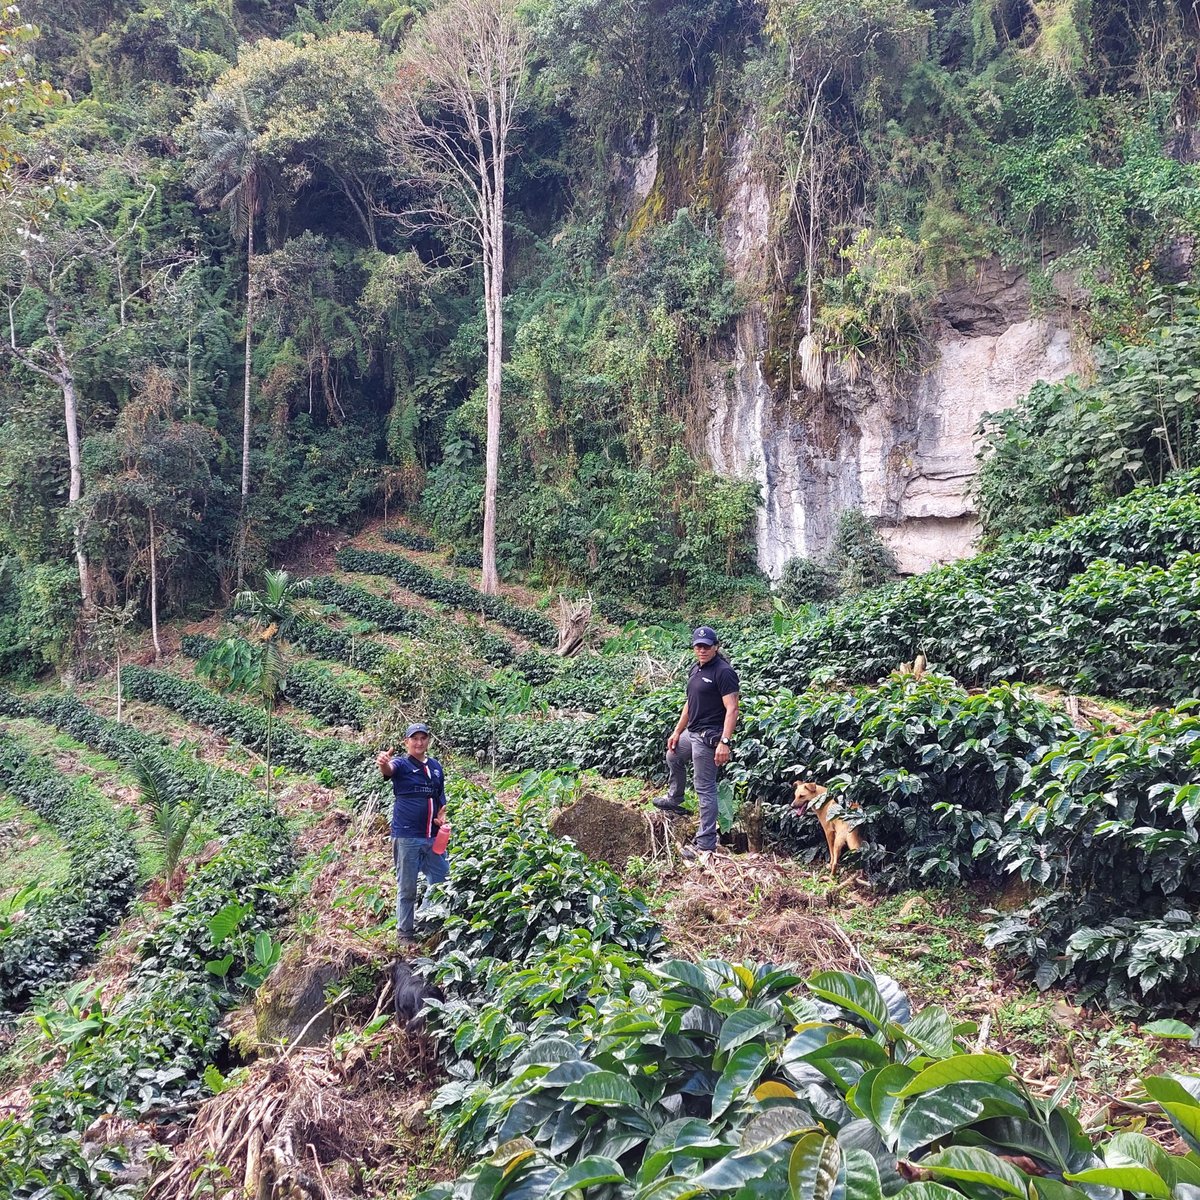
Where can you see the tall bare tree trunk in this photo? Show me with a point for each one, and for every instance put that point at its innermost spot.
(66, 380)
(493, 278)
(493, 291)
(154, 591)
(470, 58)
(248, 379)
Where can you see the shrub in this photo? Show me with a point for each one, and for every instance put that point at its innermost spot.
(858, 559)
(804, 581)
(1109, 823)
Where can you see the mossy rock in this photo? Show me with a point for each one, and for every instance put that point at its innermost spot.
(288, 1008)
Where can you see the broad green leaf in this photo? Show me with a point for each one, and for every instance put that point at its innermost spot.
(927, 1190)
(772, 1126)
(742, 1026)
(984, 1068)
(931, 1031)
(225, 920)
(587, 1172)
(740, 1074)
(735, 1171)
(1129, 1178)
(1053, 1189)
(880, 1100)
(527, 1181)
(1169, 1029)
(566, 1130)
(898, 1007)
(972, 1164)
(605, 1088)
(815, 1168)
(932, 1116)
(672, 1188)
(1136, 1149)
(845, 1061)
(861, 1134)
(1164, 1088)
(809, 1038)
(566, 1072)
(1185, 1118)
(688, 973)
(854, 993)
(862, 1176)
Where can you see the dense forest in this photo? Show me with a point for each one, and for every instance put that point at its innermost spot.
(211, 208)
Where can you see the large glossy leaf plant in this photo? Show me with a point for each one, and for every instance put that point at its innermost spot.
(716, 1079)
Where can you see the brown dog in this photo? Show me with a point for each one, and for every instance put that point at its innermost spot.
(838, 835)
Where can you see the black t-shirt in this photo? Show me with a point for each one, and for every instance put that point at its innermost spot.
(705, 687)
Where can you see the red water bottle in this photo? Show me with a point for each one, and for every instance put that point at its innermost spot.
(442, 838)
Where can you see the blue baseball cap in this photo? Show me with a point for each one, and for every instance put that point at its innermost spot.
(416, 727)
(705, 636)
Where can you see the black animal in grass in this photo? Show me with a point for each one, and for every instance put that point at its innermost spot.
(409, 993)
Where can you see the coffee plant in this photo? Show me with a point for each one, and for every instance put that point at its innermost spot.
(1108, 822)
(416, 578)
(579, 1067)
(59, 928)
(345, 763)
(517, 888)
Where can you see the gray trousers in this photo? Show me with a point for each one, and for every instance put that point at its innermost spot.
(691, 748)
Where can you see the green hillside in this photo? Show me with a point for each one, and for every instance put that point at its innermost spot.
(254, 331)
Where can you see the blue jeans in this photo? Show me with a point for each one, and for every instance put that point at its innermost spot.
(413, 855)
(692, 748)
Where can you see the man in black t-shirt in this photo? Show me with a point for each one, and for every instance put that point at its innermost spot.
(703, 735)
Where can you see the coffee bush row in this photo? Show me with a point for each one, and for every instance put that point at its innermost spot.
(338, 645)
(580, 1068)
(423, 582)
(1080, 607)
(309, 686)
(358, 602)
(59, 928)
(146, 1053)
(342, 763)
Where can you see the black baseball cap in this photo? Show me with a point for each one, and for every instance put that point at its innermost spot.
(416, 727)
(705, 636)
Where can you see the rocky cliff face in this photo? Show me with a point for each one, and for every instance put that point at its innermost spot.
(904, 454)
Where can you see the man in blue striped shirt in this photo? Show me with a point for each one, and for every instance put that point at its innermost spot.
(418, 807)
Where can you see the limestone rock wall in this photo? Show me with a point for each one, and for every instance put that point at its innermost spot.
(904, 454)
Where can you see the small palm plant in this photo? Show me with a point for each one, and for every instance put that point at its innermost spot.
(256, 665)
(173, 808)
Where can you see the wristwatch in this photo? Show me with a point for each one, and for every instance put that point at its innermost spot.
(726, 741)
